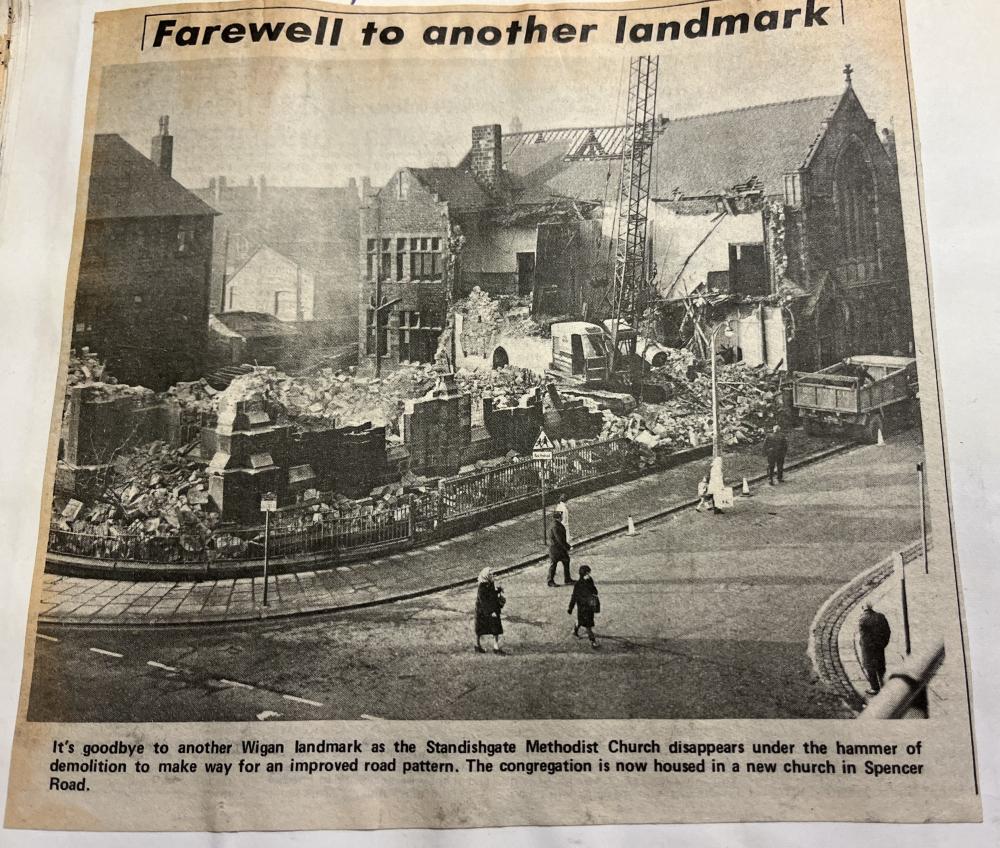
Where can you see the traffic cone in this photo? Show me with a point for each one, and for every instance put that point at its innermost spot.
(879, 440)
(631, 527)
(746, 487)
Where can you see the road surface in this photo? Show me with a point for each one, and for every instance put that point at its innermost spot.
(703, 617)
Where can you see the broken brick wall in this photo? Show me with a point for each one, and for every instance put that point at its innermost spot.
(100, 422)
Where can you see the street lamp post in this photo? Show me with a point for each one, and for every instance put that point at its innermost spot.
(268, 504)
(716, 478)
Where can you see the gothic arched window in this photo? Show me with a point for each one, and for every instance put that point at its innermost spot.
(856, 203)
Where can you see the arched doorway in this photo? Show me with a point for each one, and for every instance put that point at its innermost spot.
(500, 358)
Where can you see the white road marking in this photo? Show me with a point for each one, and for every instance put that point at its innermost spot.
(155, 664)
(46, 638)
(106, 653)
(299, 700)
(235, 683)
(367, 717)
(267, 714)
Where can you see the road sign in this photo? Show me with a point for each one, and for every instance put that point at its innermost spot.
(269, 502)
(543, 447)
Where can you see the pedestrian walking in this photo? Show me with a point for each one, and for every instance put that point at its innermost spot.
(559, 547)
(587, 604)
(775, 448)
(874, 634)
(561, 507)
(706, 499)
(489, 603)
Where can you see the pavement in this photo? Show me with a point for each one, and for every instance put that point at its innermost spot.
(929, 620)
(703, 617)
(508, 545)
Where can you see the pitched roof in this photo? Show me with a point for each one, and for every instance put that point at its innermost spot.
(126, 184)
(705, 154)
(315, 227)
(457, 186)
(695, 156)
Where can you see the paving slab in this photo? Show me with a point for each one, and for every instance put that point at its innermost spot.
(511, 544)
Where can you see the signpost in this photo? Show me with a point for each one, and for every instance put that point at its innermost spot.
(268, 504)
(542, 451)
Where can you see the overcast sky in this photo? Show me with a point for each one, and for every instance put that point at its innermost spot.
(302, 122)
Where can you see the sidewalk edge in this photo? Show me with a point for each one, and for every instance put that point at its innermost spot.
(824, 632)
(200, 621)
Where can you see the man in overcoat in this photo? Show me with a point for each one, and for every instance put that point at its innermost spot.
(775, 448)
(558, 550)
(874, 634)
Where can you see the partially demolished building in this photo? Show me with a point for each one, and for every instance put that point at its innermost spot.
(784, 218)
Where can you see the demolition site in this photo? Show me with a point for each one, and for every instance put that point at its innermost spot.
(312, 376)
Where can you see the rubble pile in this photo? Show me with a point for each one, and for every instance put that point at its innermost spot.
(748, 405)
(149, 491)
(505, 385)
(507, 314)
(196, 399)
(327, 396)
(85, 367)
(487, 320)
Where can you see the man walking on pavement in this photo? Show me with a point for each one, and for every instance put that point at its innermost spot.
(775, 448)
(558, 550)
(874, 634)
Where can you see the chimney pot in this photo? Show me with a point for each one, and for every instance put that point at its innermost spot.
(487, 154)
(162, 149)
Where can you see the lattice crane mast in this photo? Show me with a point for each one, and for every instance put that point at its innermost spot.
(628, 292)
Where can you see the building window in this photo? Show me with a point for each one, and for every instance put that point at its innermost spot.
(400, 258)
(418, 336)
(793, 190)
(855, 199)
(425, 258)
(185, 238)
(376, 255)
(401, 186)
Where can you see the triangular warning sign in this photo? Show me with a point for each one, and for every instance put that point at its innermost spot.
(544, 443)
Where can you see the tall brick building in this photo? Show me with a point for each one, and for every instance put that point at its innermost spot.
(143, 288)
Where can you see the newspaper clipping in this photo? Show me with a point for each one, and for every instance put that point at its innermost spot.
(496, 416)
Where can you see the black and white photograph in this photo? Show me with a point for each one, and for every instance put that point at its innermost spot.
(478, 417)
(588, 395)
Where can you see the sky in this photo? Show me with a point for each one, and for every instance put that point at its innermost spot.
(303, 122)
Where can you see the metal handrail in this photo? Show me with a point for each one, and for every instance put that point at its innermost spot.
(904, 694)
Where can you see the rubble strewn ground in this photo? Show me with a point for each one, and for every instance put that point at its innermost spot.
(151, 490)
(159, 491)
(505, 385)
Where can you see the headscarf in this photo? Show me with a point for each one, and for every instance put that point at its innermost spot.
(486, 575)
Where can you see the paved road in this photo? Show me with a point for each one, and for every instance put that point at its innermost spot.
(704, 617)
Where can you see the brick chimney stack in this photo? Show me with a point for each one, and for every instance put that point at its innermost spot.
(162, 152)
(487, 154)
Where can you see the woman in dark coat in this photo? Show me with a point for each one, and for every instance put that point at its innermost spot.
(489, 602)
(587, 604)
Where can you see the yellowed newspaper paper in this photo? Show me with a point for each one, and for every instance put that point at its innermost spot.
(465, 409)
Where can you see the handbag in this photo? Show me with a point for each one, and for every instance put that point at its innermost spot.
(501, 600)
(595, 604)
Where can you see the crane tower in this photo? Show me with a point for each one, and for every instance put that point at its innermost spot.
(628, 291)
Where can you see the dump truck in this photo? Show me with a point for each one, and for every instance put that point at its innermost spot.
(860, 395)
